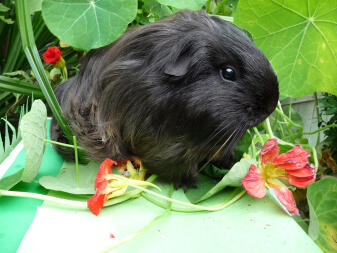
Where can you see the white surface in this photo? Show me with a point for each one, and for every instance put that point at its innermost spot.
(249, 225)
(57, 230)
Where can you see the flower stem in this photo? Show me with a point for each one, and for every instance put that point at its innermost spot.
(76, 161)
(144, 229)
(60, 143)
(268, 128)
(206, 208)
(229, 200)
(281, 113)
(321, 129)
(64, 202)
(138, 233)
(314, 154)
(65, 73)
(258, 134)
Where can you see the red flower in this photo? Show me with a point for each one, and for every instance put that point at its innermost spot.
(96, 202)
(109, 185)
(292, 166)
(53, 56)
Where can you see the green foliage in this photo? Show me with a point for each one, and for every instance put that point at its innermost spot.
(7, 145)
(186, 4)
(88, 24)
(222, 7)
(289, 130)
(8, 182)
(66, 180)
(208, 187)
(150, 10)
(322, 199)
(33, 57)
(4, 8)
(298, 37)
(33, 131)
(328, 106)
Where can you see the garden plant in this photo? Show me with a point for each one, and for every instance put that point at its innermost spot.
(43, 42)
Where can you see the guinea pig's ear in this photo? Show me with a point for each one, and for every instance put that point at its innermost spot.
(179, 67)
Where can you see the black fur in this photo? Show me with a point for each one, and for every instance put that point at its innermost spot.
(157, 94)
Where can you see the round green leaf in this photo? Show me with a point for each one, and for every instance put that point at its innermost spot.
(299, 38)
(233, 178)
(33, 131)
(66, 179)
(186, 4)
(88, 24)
(322, 200)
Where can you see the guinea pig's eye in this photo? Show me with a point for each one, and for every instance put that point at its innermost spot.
(227, 73)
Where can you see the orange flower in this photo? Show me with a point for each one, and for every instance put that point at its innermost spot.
(53, 56)
(108, 185)
(292, 166)
(96, 202)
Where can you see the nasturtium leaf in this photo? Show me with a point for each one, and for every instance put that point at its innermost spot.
(322, 200)
(34, 5)
(66, 180)
(33, 132)
(10, 181)
(157, 9)
(299, 38)
(232, 178)
(88, 24)
(186, 4)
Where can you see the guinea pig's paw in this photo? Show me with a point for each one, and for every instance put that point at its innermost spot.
(186, 182)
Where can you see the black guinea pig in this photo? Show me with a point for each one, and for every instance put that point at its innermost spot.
(176, 94)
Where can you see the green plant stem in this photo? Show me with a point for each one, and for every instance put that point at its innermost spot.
(64, 202)
(33, 57)
(319, 119)
(189, 210)
(258, 134)
(321, 129)
(144, 229)
(309, 133)
(268, 128)
(210, 208)
(314, 154)
(138, 233)
(128, 194)
(65, 73)
(287, 118)
(290, 105)
(61, 144)
(76, 161)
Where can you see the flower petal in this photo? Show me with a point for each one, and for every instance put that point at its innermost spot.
(269, 151)
(52, 55)
(302, 179)
(105, 169)
(254, 182)
(306, 171)
(294, 159)
(95, 203)
(285, 196)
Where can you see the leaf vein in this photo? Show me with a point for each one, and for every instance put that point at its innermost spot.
(326, 41)
(288, 9)
(75, 21)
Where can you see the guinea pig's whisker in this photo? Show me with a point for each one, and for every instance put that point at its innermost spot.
(220, 130)
(236, 134)
(214, 155)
